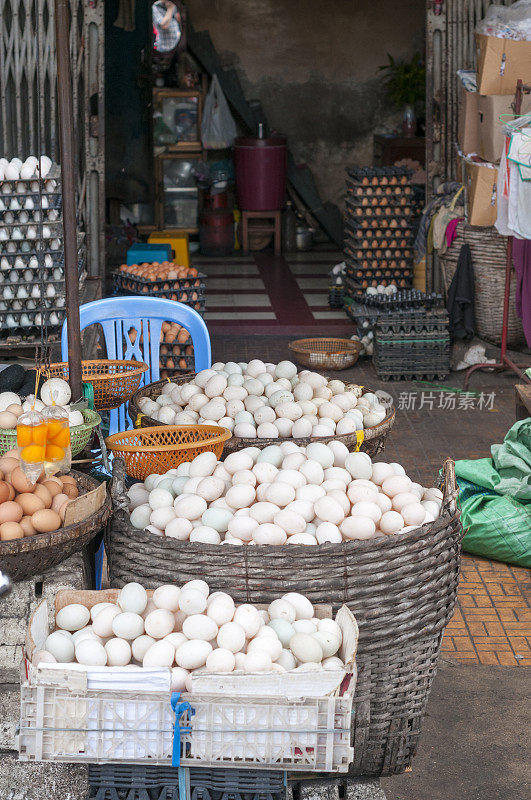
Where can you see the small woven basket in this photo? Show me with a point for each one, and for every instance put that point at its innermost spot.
(156, 450)
(32, 555)
(79, 434)
(114, 382)
(326, 353)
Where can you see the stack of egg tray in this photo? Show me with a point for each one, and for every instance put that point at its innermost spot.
(176, 357)
(22, 250)
(190, 291)
(412, 346)
(138, 782)
(381, 210)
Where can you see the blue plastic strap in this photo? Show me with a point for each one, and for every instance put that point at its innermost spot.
(179, 709)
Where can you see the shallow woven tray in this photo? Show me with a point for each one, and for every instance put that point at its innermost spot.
(156, 450)
(113, 381)
(326, 353)
(79, 434)
(402, 590)
(23, 558)
(372, 444)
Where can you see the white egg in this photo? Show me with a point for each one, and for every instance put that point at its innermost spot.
(118, 652)
(316, 451)
(290, 522)
(60, 646)
(91, 653)
(306, 648)
(282, 609)
(329, 510)
(132, 597)
(263, 512)
(203, 465)
(280, 493)
(287, 660)
(178, 679)
(221, 608)
(330, 643)
(431, 506)
(413, 514)
(73, 617)
(359, 465)
(366, 509)
(160, 654)
(272, 455)
(205, 535)
(189, 507)
(102, 622)
(200, 626)
(391, 522)
(241, 496)
(266, 644)
(248, 617)
(220, 660)
(397, 484)
(167, 597)
(178, 529)
(160, 498)
(302, 538)
(283, 629)
(358, 528)
(126, 625)
(398, 468)
(192, 601)
(269, 534)
(140, 646)
(42, 657)
(231, 636)
(303, 607)
(328, 532)
(403, 499)
(259, 661)
(433, 494)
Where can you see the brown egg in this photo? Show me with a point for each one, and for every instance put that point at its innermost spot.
(46, 521)
(20, 481)
(15, 409)
(4, 492)
(54, 487)
(68, 479)
(10, 512)
(29, 503)
(27, 526)
(42, 492)
(8, 464)
(11, 530)
(14, 453)
(58, 501)
(11, 490)
(71, 491)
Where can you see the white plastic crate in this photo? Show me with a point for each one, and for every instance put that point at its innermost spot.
(287, 721)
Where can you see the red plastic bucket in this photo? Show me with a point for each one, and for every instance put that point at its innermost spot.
(260, 166)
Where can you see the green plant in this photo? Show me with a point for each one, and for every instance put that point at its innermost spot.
(405, 80)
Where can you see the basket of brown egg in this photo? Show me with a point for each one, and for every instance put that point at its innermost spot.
(165, 279)
(39, 524)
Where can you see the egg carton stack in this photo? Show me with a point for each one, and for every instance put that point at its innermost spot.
(412, 345)
(381, 210)
(373, 304)
(26, 295)
(176, 354)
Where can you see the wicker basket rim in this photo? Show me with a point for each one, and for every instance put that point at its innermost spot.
(368, 433)
(137, 368)
(449, 510)
(305, 345)
(46, 540)
(93, 420)
(219, 435)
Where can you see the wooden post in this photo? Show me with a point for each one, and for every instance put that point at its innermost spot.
(68, 185)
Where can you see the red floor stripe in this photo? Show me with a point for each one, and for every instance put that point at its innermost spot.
(286, 297)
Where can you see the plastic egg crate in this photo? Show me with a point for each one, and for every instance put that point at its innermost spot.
(30, 247)
(27, 319)
(50, 184)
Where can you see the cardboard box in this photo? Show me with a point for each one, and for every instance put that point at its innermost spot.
(467, 130)
(501, 63)
(481, 185)
(490, 128)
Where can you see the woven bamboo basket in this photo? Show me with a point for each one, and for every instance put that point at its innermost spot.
(23, 558)
(401, 589)
(324, 353)
(113, 381)
(372, 444)
(489, 258)
(79, 434)
(156, 450)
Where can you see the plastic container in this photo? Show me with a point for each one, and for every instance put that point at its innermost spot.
(216, 232)
(260, 166)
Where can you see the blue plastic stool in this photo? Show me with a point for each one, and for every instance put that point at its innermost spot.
(142, 253)
(117, 316)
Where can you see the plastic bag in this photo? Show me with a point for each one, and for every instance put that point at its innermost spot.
(496, 527)
(507, 22)
(218, 129)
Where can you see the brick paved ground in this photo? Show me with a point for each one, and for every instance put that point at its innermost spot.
(491, 624)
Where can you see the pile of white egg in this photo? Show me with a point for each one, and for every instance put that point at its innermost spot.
(16, 169)
(54, 392)
(188, 629)
(283, 494)
(266, 401)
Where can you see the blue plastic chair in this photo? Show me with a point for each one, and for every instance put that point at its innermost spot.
(117, 315)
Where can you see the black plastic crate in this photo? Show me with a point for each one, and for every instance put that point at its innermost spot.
(412, 345)
(336, 296)
(135, 782)
(362, 174)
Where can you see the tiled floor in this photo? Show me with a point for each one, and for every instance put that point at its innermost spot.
(269, 295)
(492, 621)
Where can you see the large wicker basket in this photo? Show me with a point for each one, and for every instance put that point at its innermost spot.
(488, 250)
(373, 438)
(401, 589)
(32, 555)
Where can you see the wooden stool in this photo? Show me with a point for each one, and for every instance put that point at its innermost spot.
(265, 227)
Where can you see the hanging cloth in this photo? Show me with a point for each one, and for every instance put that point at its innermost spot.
(126, 15)
(522, 265)
(460, 303)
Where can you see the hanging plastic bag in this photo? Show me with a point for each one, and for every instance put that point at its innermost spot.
(218, 129)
